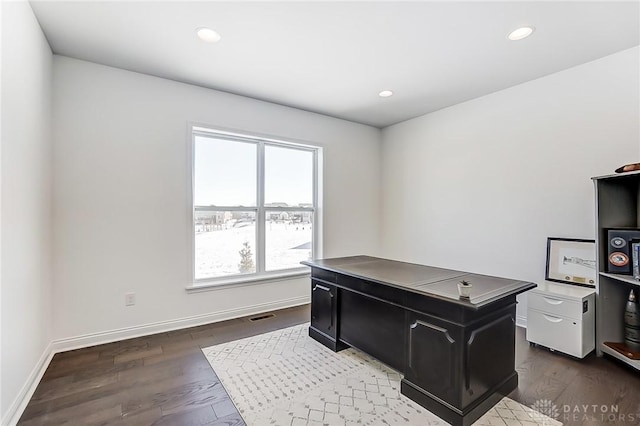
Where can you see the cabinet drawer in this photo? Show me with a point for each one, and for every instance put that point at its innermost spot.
(555, 332)
(553, 305)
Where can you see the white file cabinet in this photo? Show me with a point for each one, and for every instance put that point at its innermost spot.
(562, 317)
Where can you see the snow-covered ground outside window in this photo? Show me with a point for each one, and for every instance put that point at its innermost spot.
(218, 252)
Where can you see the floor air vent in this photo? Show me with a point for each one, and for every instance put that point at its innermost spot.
(261, 317)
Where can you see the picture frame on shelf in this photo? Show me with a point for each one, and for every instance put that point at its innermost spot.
(571, 261)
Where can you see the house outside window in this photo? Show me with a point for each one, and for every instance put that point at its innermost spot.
(255, 206)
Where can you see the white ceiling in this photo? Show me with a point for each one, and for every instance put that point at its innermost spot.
(334, 57)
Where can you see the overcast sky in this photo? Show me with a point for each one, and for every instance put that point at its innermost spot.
(225, 174)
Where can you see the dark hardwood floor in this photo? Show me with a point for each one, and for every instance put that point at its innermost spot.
(585, 391)
(164, 379)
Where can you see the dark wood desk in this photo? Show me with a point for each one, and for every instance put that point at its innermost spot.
(457, 355)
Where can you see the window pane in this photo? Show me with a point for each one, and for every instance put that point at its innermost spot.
(288, 239)
(225, 243)
(288, 177)
(224, 172)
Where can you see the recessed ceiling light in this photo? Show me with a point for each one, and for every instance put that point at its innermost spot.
(208, 35)
(520, 33)
(385, 93)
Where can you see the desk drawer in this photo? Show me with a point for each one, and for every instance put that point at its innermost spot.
(555, 332)
(553, 305)
(323, 275)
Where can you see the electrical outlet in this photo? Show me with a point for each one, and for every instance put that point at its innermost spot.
(129, 299)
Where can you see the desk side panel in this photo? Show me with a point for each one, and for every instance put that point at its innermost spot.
(489, 355)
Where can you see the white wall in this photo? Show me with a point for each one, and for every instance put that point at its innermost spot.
(121, 195)
(26, 203)
(480, 186)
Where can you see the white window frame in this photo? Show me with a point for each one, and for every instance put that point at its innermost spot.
(260, 209)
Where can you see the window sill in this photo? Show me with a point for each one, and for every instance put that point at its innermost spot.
(246, 281)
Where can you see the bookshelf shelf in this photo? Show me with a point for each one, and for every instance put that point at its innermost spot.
(628, 279)
(615, 354)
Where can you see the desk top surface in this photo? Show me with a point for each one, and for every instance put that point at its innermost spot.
(427, 280)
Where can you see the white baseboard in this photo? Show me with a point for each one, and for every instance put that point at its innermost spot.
(60, 345)
(521, 321)
(16, 409)
(83, 341)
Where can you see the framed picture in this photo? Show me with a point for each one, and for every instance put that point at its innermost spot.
(571, 261)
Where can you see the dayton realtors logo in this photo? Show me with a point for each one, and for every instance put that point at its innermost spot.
(543, 411)
(546, 410)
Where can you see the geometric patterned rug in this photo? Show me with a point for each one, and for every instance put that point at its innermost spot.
(286, 378)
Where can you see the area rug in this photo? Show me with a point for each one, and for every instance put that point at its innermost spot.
(286, 378)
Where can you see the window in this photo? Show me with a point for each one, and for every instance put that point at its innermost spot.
(254, 206)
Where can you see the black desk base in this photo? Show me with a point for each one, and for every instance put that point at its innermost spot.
(456, 362)
(453, 415)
